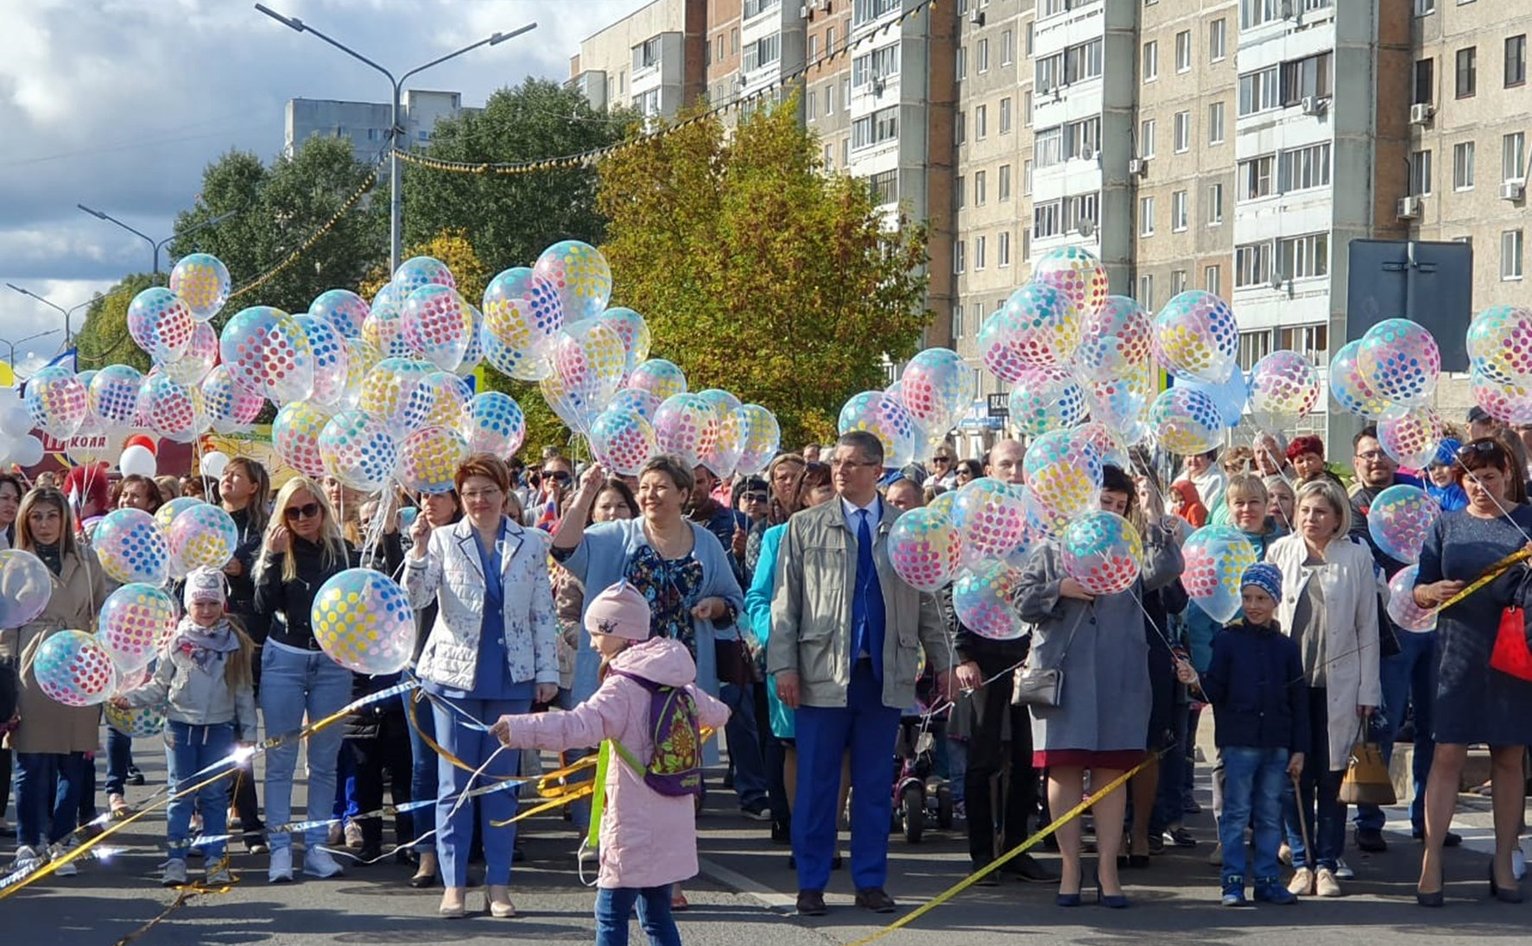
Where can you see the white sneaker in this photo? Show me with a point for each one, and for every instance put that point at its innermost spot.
(1342, 871)
(317, 862)
(26, 859)
(174, 873)
(1519, 863)
(281, 869)
(69, 868)
(1325, 883)
(1302, 883)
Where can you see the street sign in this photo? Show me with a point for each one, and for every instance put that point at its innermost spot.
(999, 405)
(1428, 282)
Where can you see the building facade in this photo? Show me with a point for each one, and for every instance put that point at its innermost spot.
(366, 124)
(651, 61)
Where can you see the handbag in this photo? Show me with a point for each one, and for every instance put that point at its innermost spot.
(1041, 686)
(1511, 654)
(1367, 781)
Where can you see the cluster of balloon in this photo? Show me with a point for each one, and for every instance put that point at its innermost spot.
(1500, 362)
(1389, 375)
(1399, 521)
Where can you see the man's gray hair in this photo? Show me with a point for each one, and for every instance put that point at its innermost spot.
(864, 441)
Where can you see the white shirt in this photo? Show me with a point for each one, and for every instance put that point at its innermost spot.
(850, 509)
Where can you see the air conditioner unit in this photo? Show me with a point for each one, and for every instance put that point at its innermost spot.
(1409, 207)
(1420, 113)
(803, 12)
(1513, 190)
(1314, 105)
(976, 17)
(1139, 166)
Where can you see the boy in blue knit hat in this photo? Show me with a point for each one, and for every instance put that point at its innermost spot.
(1260, 718)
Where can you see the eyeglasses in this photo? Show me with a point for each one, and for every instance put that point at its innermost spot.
(305, 511)
(852, 466)
(474, 495)
(941, 459)
(1483, 448)
(756, 497)
(1371, 455)
(558, 476)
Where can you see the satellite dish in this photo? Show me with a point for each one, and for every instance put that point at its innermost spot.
(1085, 227)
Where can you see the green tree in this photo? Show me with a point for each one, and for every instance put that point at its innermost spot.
(452, 247)
(510, 218)
(757, 271)
(104, 339)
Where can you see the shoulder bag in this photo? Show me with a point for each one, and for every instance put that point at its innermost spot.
(1042, 686)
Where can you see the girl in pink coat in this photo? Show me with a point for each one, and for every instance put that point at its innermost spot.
(648, 840)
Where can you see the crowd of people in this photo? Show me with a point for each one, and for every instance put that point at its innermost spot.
(550, 600)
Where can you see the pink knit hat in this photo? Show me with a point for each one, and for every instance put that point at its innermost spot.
(620, 611)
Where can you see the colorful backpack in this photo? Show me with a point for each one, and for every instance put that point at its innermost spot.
(675, 769)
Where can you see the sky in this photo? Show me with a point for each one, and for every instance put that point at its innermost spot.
(121, 104)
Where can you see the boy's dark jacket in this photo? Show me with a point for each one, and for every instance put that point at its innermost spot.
(1255, 683)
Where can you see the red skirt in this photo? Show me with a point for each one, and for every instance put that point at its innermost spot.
(1119, 759)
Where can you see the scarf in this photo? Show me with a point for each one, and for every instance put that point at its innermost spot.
(204, 644)
(50, 555)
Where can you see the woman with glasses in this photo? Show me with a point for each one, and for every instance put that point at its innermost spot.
(492, 652)
(968, 471)
(244, 491)
(1476, 703)
(943, 473)
(303, 549)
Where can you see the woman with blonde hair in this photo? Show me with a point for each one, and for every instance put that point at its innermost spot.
(303, 549)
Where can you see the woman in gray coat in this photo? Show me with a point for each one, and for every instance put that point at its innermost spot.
(1099, 644)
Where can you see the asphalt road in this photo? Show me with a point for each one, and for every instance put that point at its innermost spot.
(745, 897)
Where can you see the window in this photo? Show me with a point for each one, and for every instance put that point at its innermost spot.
(810, 103)
(763, 52)
(1151, 61)
(962, 63)
(1146, 291)
(865, 11)
(718, 49)
(829, 39)
(983, 56)
(1082, 61)
(1462, 166)
(980, 122)
(962, 191)
(1252, 265)
(1048, 219)
(829, 98)
(1048, 147)
(1048, 73)
(1026, 176)
(957, 321)
(1184, 51)
(1029, 37)
(980, 188)
(754, 8)
(1026, 243)
(1177, 282)
(1079, 209)
(979, 245)
(1146, 216)
(1178, 211)
(884, 186)
(1259, 91)
(734, 40)
(1026, 107)
(1215, 124)
(1215, 204)
(646, 54)
(1515, 60)
(1301, 169)
(1513, 157)
(1082, 139)
(1253, 346)
(880, 126)
(1146, 138)
(1425, 82)
(1005, 115)
(1420, 173)
(1307, 78)
(829, 157)
(1007, 48)
(959, 254)
(978, 313)
(878, 64)
(1510, 254)
(1423, 7)
(1311, 341)
(813, 46)
(1003, 249)
(1304, 256)
(1218, 40)
(1003, 183)
(960, 127)
(1212, 279)
(1256, 12)
(1182, 128)
(1256, 178)
(1467, 71)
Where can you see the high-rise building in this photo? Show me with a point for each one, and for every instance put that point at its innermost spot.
(366, 124)
(652, 60)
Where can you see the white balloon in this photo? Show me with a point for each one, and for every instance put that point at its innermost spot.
(137, 460)
(16, 420)
(213, 463)
(28, 451)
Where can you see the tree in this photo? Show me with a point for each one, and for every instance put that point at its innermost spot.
(757, 271)
(453, 248)
(104, 339)
(512, 218)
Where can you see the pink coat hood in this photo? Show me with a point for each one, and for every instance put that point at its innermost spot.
(647, 839)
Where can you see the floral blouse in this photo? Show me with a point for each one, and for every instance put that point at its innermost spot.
(671, 586)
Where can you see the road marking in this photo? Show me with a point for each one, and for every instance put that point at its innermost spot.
(749, 886)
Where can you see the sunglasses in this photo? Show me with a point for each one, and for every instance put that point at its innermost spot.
(756, 497)
(305, 511)
(559, 476)
(1480, 449)
(941, 459)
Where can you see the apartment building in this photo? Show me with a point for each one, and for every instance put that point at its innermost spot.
(366, 124)
(652, 60)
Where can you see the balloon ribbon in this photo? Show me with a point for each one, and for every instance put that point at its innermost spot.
(1489, 575)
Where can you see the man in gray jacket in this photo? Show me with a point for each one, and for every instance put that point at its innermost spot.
(845, 648)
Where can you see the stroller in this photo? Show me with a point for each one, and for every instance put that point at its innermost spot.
(920, 795)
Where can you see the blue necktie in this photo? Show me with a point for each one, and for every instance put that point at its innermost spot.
(864, 575)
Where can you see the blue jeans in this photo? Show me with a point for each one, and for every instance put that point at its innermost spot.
(1323, 810)
(292, 682)
(188, 751)
(1253, 780)
(119, 757)
(454, 832)
(423, 765)
(48, 787)
(745, 753)
(1168, 807)
(1408, 679)
(615, 904)
(868, 729)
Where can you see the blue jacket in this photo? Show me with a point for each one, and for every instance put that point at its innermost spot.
(1450, 497)
(1256, 686)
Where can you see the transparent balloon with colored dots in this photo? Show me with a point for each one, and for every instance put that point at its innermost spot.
(202, 281)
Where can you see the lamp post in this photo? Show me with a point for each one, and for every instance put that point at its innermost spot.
(395, 180)
(10, 346)
(67, 313)
(157, 245)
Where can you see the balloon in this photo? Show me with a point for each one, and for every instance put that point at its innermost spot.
(16, 421)
(1350, 386)
(26, 585)
(1229, 396)
(418, 272)
(343, 309)
(1046, 399)
(568, 406)
(1063, 471)
(1401, 361)
(623, 441)
(658, 377)
(165, 516)
(363, 621)
(330, 352)
(230, 408)
(1044, 327)
(387, 389)
(1116, 337)
(437, 400)
(635, 400)
(1102, 552)
(361, 359)
(1411, 438)
(73, 669)
(522, 315)
(763, 438)
(686, 426)
(295, 436)
(1284, 385)
(1108, 447)
(1401, 602)
(1399, 520)
(267, 353)
(881, 415)
(995, 349)
(1186, 421)
(1122, 404)
(160, 323)
(384, 328)
(200, 356)
(1508, 403)
(202, 282)
(473, 355)
(494, 423)
(56, 401)
(982, 599)
(1215, 561)
(203, 536)
(131, 547)
(137, 461)
(141, 722)
(588, 359)
(730, 444)
(170, 408)
(579, 274)
(1076, 274)
(990, 516)
(356, 448)
(1196, 337)
(436, 325)
(934, 387)
(212, 464)
(1500, 344)
(136, 620)
(924, 548)
(429, 458)
(28, 451)
(634, 332)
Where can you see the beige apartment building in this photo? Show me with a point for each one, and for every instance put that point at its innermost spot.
(651, 61)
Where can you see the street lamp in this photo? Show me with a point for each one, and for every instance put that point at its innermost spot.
(10, 358)
(154, 245)
(68, 332)
(395, 199)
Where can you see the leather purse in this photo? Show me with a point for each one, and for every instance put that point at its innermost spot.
(1042, 686)
(1367, 781)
